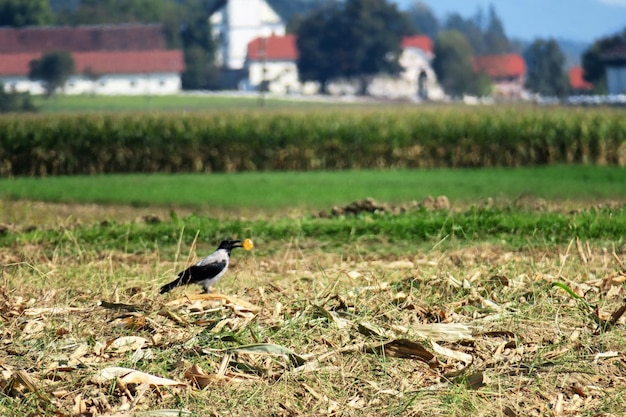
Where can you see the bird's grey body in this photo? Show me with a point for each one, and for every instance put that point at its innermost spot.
(207, 271)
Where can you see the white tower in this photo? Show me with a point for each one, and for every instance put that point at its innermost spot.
(239, 22)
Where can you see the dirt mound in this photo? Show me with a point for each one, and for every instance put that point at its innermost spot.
(369, 205)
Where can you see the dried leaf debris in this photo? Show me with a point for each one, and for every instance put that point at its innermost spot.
(536, 333)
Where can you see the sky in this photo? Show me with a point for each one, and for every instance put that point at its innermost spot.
(576, 20)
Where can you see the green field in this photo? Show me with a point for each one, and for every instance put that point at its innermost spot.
(180, 102)
(267, 191)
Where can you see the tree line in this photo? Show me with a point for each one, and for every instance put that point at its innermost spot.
(348, 39)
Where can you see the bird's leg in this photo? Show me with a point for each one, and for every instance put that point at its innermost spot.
(208, 289)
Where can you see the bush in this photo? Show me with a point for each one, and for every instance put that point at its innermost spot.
(15, 102)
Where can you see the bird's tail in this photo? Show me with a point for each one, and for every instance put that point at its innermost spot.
(169, 287)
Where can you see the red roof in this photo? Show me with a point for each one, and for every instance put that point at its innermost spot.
(117, 62)
(82, 38)
(275, 48)
(422, 42)
(500, 66)
(576, 80)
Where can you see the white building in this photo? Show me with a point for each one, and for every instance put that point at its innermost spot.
(237, 23)
(417, 78)
(271, 65)
(124, 59)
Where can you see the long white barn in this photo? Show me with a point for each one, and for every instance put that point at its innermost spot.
(124, 59)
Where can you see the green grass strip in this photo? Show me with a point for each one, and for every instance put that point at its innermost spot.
(319, 190)
(513, 227)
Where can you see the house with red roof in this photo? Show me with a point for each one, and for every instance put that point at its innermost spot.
(577, 83)
(271, 65)
(120, 59)
(235, 23)
(507, 72)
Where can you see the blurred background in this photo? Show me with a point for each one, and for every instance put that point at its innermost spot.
(416, 51)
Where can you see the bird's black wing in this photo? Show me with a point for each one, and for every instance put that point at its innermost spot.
(195, 274)
(198, 273)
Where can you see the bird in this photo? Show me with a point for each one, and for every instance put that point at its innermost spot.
(207, 271)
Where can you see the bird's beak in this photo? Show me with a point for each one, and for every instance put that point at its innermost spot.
(237, 244)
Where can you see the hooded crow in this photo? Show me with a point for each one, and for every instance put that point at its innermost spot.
(208, 271)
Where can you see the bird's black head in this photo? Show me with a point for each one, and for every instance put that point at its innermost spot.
(229, 245)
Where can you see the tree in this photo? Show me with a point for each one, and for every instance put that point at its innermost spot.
(355, 39)
(545, 73)
(199, 72)
(423, 19)
(487, 37)
(54, 68)
(594, 68)
(199, 48)
(453, 66)
(495, 40)
(24, 13)
(169, 13)
(315, 36)
(469, 28)
(293, 11)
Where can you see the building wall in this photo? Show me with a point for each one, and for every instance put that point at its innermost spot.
(116, 84)
(416, 63)
(512, 89)
(616, 79)
(282, 78)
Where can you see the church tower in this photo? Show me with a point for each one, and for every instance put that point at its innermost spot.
(237, 23)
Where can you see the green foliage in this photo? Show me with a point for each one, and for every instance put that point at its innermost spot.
(118, 11)
(25, 13)
(495, 40)
(305, 140)
(15, 102)
(453, 64)
(54, 68)
(198, 71)
(423, 19)
(485, 36)
(545, 68)
(473, 224)
(293, 10)
(359, 39)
